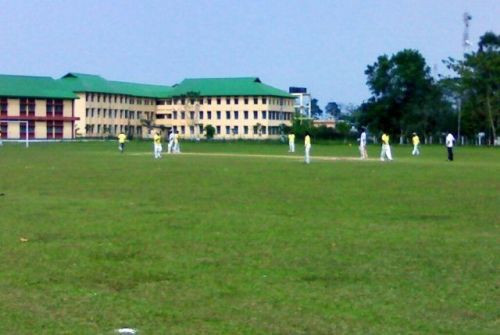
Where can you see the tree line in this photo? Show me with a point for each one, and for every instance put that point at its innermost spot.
(406, 98)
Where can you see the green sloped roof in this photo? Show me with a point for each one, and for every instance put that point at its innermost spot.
(248, 86)
(80, 82)
(33, 87)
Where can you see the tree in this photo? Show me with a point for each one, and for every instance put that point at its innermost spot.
(316, 111)
(333, 110)
(404, 96)
(479, 81)
(209, 131)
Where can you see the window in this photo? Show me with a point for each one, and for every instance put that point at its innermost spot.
(58, 107)
(4, 129)
(201, 115)
(27, 107)
(245, 115)
(31, 129)
(183, 129)
(255, 115)
(216, 128)
(245, 130)
(50, 129)
(209, 115)
(255, 101)
(58, 129)
(209, 101)
(235, 130)
(236, 115)
(126, 114)
(87, 96)
(98, 98)
(87, 112)
(104, 98)
(201, 129)
(104, 112)
(263, 129)
(218, 101)
(218, 115)
(228, 115)
(175, 115)
(191, 115)
(131, 101)
(264, 114)
(132, 114)
(228, 130)
(4, 106)
(236, 100)
(264, 100)
(245, 101)
(228, 101)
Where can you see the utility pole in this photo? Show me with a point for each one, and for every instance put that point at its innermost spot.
(466, 46)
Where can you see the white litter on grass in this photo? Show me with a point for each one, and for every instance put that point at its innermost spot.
(126, 331)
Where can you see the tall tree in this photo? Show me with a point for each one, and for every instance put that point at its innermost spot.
(332, 109)
(479, 83)
(404, 95)
(316, 111)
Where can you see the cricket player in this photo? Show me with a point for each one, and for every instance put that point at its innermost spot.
(177, 147)
(362, 144)
(291, 142)
(450, 140)
(121, 142)
(171, 137)
(416, 142)
(157, 145)
(386, 149)
(307, 148)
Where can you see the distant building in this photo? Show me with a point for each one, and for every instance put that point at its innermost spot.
(85, 105)
(36, 107)
(302, 100)
(327, 123)
(236, 107)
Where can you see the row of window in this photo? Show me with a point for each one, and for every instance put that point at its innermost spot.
(115, 113)
(111, 98)
(55, 129)
(53, 107)
(234, 130)
(273, 115)
(112, 129)
(228, 101)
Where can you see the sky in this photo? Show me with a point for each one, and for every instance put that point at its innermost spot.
(323, 45)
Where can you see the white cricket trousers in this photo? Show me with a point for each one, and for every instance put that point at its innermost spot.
(292, 147)
(362, 151)
(415, 150)
(307, 157)
(157, 150)
(386, 152)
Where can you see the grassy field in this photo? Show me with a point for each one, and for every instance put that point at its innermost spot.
(92, 240)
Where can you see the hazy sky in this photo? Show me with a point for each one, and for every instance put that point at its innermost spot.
(320, 44)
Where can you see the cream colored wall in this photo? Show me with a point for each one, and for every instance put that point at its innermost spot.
(40, 129)
(40, 109)
(272, 104)
(67, 130)
(119, 122)
(13, 130)
(80, 112)
(13, 109)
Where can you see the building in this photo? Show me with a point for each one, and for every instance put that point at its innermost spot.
(331, 123)
(36, 107)
(302, 101)
(236, 107)
(106, 108)
(85, 105)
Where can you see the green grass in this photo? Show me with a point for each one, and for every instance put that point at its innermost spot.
(196, 244)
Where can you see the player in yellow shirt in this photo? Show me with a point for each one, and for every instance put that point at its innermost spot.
(386, 148)
(416, 141)
(307, 147)
(157, 145)
(122, 138)
(291, 142)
